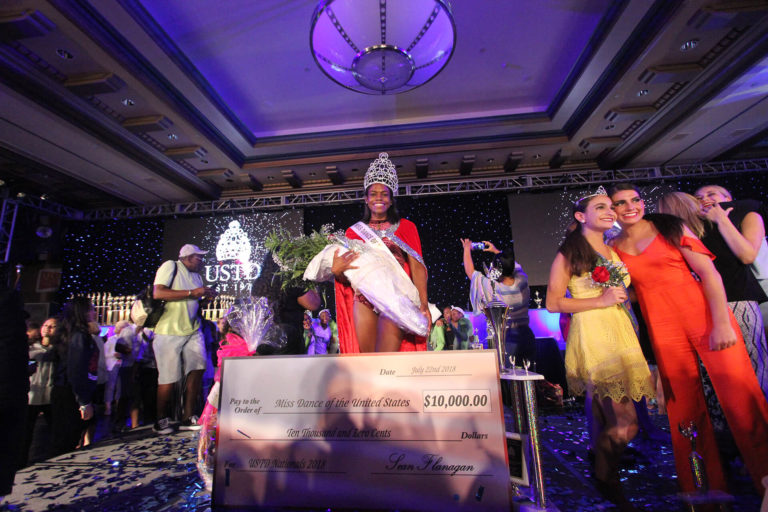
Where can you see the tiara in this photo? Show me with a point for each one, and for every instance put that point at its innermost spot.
(599, 192)
(381, 170)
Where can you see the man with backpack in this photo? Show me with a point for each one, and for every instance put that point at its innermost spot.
(178, 344)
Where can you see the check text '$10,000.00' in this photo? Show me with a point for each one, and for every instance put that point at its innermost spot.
(455, 400)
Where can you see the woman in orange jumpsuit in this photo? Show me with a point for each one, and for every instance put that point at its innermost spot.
(687, 318)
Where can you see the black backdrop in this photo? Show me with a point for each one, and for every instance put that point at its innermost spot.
(121, 256)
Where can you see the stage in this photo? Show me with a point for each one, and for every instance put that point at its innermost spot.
(141, 471)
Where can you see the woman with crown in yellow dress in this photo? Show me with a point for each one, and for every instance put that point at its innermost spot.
(603, 356)
(361, 327)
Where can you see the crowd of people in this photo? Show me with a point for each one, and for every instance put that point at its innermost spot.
(133, 376)
(698, 269)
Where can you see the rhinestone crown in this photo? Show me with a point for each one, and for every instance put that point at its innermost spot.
(381, 170)
(599, 192)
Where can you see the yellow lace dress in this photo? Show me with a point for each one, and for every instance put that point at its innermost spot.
(602, 352)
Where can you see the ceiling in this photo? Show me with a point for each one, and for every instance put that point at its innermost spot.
(109, 103)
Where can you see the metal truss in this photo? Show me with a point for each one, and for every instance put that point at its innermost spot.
(7, 223)
(48, 206)
(10, 209)
(476, 184)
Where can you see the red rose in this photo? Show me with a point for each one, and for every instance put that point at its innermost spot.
(600, 275)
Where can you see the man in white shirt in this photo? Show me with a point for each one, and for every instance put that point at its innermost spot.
(178, 343)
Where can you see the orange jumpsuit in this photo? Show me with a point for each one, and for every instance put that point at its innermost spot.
(679, 323)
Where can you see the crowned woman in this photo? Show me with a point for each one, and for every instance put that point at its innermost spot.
(361, 327)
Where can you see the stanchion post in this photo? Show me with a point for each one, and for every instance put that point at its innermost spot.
(533, 431)
(523, 385)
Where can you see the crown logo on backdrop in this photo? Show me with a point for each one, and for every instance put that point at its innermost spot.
(383, 171)
(599, 192)
(234, 244)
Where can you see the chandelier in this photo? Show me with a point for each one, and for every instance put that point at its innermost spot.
(382, 46)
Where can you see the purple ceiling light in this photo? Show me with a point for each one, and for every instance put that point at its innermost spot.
(382, 46)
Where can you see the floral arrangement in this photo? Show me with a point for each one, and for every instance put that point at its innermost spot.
(293, 254)
(377, 276)
(606, 274)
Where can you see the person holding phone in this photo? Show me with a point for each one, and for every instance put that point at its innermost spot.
(505, 282)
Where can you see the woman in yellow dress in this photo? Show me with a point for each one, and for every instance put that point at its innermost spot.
(603, 356)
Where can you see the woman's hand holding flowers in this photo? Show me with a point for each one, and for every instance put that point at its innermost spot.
(424, 308)
(613, 295)
(342, 263)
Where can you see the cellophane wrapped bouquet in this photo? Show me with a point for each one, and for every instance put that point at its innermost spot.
(252, 324)
(378, 277)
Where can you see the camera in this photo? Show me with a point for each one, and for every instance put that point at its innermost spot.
(477, 246)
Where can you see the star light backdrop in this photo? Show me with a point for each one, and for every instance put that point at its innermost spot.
(540, 220)
(122, 256)
(117, 256)
(235, 245)
(441, 221)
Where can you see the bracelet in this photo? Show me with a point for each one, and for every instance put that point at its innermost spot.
(190, 293)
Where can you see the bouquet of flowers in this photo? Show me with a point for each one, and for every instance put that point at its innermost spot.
(607, 274)
(252, 325)
(292, 254)
(378, 277)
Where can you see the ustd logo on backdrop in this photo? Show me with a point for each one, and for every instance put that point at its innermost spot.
(235, 270)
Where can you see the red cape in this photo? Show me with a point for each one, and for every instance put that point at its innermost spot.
(345, 297)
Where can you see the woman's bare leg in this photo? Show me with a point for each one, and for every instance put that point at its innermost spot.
(390, 336)
(618, 423)
(366, 327)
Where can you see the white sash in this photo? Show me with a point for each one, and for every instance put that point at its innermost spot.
(366, 233)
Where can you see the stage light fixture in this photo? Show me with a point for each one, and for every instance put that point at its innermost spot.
(467, 163)
(422, 168)
(512, 162)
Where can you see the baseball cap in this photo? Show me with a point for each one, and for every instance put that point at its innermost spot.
(457, 308)
(435, 313)
(189, 250)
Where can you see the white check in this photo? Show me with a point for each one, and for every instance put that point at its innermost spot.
(409, 431)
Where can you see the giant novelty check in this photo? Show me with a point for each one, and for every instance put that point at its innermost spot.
(408, 431)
